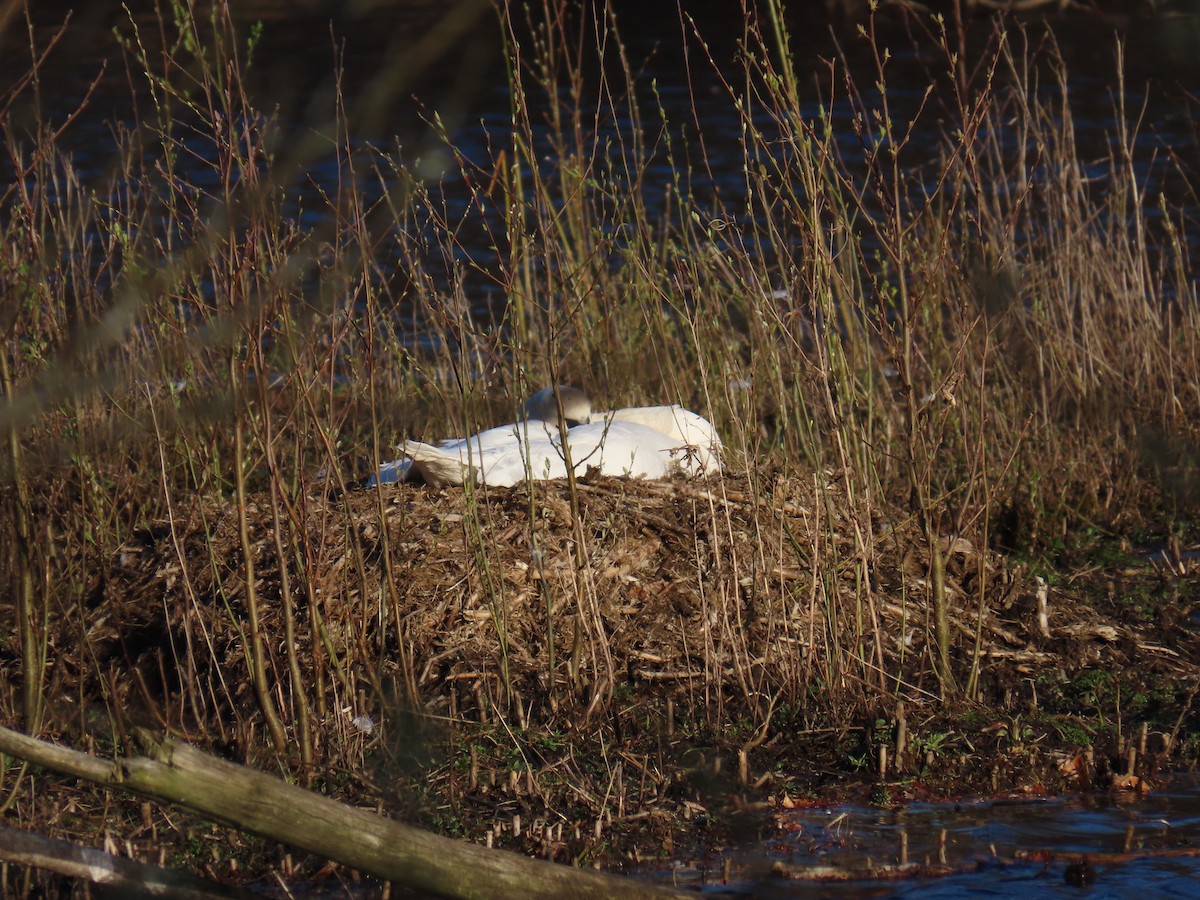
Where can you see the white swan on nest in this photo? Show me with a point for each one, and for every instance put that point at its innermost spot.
(641, 442)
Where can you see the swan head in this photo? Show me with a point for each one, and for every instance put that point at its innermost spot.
(576, 407)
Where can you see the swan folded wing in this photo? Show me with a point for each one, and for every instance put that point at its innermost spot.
(538, 459)
(697, 447)
(621, 448)
(545, 460)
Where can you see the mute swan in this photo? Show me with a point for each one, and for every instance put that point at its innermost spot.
(644, 442)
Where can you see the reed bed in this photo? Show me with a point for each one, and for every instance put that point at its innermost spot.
(944, 381)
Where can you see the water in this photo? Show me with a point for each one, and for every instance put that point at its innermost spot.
(983, 842)
(462, 79)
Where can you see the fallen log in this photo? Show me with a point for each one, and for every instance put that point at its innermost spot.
(181, 775)
(25, 848)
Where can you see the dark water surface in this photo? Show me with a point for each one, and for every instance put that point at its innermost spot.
(415, 60)
(984, 841)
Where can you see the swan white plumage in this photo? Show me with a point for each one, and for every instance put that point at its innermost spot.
(619, 448)
(696, 441)
(642, 442)
(694, 433)
(539, 420)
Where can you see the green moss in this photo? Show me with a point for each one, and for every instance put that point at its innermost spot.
(1071, 732)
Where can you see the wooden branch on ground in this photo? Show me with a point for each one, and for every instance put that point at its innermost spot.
(66, 858)
(181, 775)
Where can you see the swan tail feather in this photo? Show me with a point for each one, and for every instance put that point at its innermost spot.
(437, 465)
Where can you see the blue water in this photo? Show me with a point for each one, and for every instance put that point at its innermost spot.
(984, 840)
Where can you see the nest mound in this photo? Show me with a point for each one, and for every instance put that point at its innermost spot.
(728, 590)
